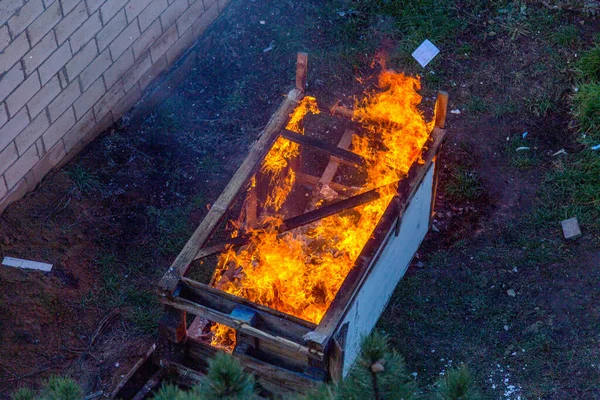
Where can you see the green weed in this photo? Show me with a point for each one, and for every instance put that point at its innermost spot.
(173, 226)
(566, 36)
(477, 105)
(86, 181)
(463, 185)
(588, 66)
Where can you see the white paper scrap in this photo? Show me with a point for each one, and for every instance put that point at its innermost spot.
(425, 53)
(18, 263)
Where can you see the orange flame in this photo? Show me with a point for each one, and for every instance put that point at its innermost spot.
(299, 272)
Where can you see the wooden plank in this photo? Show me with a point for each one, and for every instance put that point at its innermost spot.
(300, 220)
(301, 71)
(330, 170)
(133, 371)
(441, 107)
(312, 180)
(331, 209)
(152, 383)
(231, 191)
(292, 380)
(344, 156)
(319, 339)
(275, 379)
(215, 297)
(225, 319)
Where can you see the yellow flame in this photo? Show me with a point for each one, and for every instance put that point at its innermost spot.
(299, 272)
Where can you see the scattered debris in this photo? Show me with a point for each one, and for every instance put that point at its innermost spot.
(596, 147)
(457, 111)
(262, 22)
(271, 47)
(525, 134)
(522, 148)
(425, 53)
(561, 151)
(571, 229)
(511, 293)
(26, 264)
(434, 228)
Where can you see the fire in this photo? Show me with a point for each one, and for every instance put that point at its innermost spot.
(299, 272)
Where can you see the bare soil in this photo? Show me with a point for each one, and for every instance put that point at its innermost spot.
(113, 219)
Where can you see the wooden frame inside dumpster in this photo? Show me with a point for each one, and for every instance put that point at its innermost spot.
(296, 355)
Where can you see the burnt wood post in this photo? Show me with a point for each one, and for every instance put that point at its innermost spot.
(172, 325)
(441, 106)
(301, 71)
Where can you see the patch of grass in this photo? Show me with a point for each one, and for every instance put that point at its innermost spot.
(477, 105)
(463, 185)
(85, 180)
(566, 36)
(588, 66)
(587, 110)
(173, 226)
(523, 159)
(540, 107)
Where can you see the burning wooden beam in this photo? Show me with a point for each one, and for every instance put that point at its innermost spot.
(240, 179)
(342, 155)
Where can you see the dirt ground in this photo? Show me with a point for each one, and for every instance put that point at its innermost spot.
(496, 288)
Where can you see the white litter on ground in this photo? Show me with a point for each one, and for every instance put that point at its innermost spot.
(457, 111)
(425, 53)
(499, 379)
(26, 264)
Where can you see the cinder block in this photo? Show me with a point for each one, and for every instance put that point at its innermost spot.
(170, 15)
(44, 23)
(111, 30)
(23, 94)
(39, 53)
(54, 63)
(49, 161)
(119, 67)
(134, 8)
(71, 22)
(94, 5)
(13, 127)
(3, 191)
(151, 13)
(32, 132)
(13, 52)
(63, 101)
(89, 98)
(8, 9)
(127, 102)
(131, 77)
(102, 124)
(571, 229)
(4, 37)
(3, 115)
(109, 100)
(81, 60)
(183, 44)
(209, 16)
(74, 136)
(164, 43)
(8, 155)
(109, 9)
(10, 81)
(147, 38)
(155, 70)
(189, 17)
(209, 3)
(68, 5)
(21, 167)
(124, 40)
(85, 32)
(42, 98)
(96, 68)
(26, 15)
(58, 129)
(223, 4)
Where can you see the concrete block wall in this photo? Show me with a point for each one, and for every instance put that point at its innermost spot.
(70, 68)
